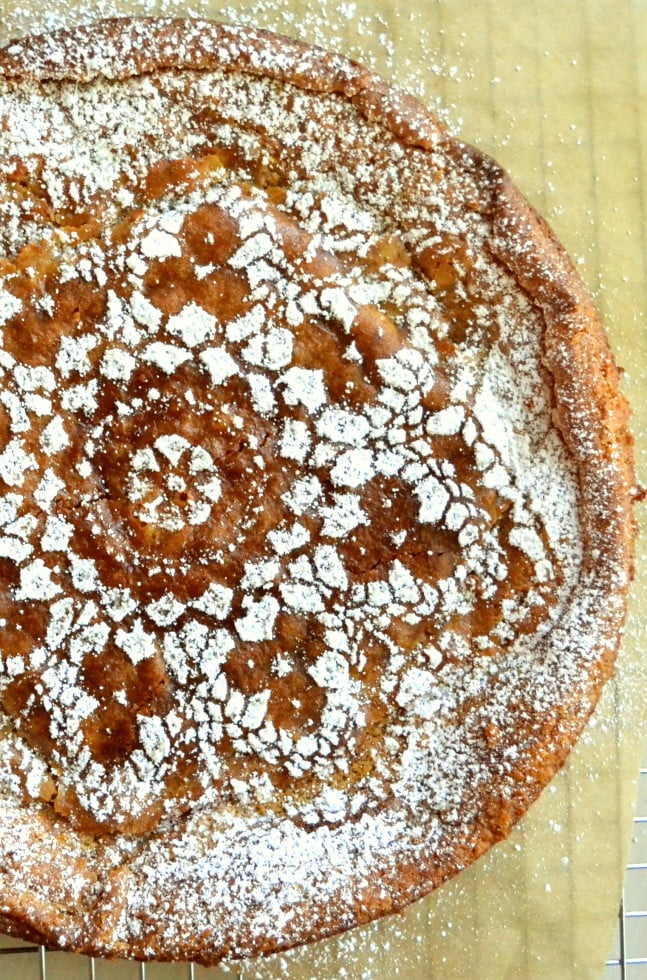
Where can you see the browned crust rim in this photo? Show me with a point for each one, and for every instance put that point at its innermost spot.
(575, 351)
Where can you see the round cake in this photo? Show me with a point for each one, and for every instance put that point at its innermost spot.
(315, 495)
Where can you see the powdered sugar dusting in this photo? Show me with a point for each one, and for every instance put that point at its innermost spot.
(276, 527)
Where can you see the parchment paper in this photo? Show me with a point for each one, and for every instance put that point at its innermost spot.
(556, 90)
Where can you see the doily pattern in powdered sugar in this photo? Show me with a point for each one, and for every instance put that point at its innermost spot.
(271, 555)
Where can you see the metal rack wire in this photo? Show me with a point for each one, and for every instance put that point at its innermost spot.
(42, 954)
(12, 963)
(629, 956)
(40, 957)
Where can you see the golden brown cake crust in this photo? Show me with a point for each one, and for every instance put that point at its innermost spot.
(315, 491)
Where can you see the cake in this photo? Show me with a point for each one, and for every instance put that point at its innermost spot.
(315, 495)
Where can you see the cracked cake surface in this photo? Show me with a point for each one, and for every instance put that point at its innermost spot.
(315, 494)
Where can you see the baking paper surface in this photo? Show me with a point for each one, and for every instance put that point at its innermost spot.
(556, 91)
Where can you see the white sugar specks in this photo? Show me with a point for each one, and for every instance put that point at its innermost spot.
(296, 440)
(353, 468)
(36, 582)
(10, 306)
(165, 610)
(192, 325)
(305, 387)
(15, 463)
(216, 601)
(117, 364)
(160, 245)
(433, 499)
(330, 671)
(258, 622)
(137, 643)
(343, 516)
(154, 739)
(220, 364)
(330, 568)
(167, 357)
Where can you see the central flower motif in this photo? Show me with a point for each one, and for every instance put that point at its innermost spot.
(173, 483)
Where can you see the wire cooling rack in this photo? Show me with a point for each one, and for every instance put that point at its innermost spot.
(37, 963)
(14, 960)
(628, 960)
